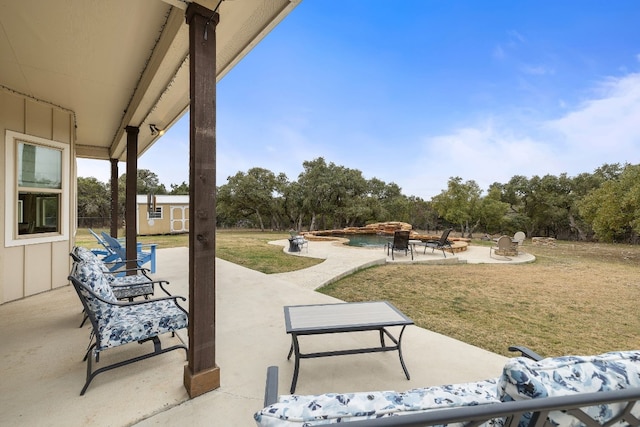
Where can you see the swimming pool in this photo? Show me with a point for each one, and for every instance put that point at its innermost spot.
(366, 240)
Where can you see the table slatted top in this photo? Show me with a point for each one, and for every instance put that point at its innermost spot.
(326, 318)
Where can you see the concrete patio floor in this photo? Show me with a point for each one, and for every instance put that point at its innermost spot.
(42, 348)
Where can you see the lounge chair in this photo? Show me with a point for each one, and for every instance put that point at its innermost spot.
(118, 323)
(135, 283)
(400, 243)
(441, 244)
(127, 287)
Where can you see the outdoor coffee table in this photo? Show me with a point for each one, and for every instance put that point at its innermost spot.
(343, 317)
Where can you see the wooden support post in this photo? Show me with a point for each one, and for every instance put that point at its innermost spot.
(114, 198)
(130, 195)
(201, 374)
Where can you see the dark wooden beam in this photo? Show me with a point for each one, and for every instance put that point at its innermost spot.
(201, 374)
(114, 198)
(130, 195)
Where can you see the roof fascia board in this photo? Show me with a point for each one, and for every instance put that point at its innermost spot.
(175, 21)
(284, 11)
(92, 152)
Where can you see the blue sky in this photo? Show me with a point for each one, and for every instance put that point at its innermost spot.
(418, 91)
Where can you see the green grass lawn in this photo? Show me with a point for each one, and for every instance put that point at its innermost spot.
(577, 298)
(250, 249)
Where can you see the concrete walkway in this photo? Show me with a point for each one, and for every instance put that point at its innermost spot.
(42, 347)
(340, 260)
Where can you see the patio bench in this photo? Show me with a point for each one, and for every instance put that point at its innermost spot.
(115, 323)
(567, 391)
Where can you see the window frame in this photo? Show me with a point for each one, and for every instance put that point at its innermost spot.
(158, 214)
(12, 236)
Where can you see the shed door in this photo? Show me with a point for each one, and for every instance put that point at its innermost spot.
(179, 219)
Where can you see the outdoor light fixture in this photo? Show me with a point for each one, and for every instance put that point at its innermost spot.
(155, 131)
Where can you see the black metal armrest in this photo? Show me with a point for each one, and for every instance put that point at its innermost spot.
(271, 387)
(526, 352)
(124, 270)
(146, 282)
(125, 261)
(147, 301)
(122, 303)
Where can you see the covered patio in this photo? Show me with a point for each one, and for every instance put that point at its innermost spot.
(103, 80)
(42, 370)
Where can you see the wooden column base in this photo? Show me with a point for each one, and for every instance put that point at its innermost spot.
(201, 382)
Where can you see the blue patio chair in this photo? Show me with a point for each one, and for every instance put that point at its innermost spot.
(106, 254)
(143, 257)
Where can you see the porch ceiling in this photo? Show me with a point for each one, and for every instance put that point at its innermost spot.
(119, 63)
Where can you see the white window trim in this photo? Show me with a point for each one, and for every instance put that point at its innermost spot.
(160, 208)
(11, 237)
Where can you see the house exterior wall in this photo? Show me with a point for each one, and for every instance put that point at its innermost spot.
(35, 265)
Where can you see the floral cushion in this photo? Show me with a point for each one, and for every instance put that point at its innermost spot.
(120, 325)
(91, 276)
(330, 408)
(125, 292)
(136, 285)
(524, 378)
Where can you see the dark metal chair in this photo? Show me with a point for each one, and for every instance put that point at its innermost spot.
(400, 243)
(441, 244)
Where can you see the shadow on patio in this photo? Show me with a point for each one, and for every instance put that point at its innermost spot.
(42, 348)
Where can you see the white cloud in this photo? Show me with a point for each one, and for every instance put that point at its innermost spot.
(484, 154)
(604, 129)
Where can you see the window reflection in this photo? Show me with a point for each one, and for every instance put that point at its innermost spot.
(39, 189)
(39, 213)
(39, 167)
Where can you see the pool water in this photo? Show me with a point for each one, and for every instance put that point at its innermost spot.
(367, 240)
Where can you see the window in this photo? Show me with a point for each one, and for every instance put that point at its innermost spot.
(155, 215)
(36, 175)
(39, 188)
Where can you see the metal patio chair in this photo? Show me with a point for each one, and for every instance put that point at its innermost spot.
(400, 243)
(441, 244)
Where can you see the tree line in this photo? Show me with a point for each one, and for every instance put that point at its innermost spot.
(603, 205)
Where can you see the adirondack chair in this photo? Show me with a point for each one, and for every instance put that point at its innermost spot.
(106, 254)
(143, 257)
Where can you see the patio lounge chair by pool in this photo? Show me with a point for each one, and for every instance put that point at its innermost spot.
(441, 244)
(400, 243)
